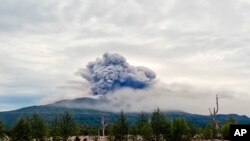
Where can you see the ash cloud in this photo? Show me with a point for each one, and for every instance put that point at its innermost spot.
(112, 72)
(166, 96)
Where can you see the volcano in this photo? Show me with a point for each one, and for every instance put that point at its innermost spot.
(86, 115)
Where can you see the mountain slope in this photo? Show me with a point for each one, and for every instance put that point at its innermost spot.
(91, 117)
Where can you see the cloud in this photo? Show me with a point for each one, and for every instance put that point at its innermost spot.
(201, 43)
(168, 97)
(16, 15)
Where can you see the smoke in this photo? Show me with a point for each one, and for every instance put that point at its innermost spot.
(166, 96)
(112, 72)
(130, 89)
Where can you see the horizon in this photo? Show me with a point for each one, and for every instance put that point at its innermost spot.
(197, 49)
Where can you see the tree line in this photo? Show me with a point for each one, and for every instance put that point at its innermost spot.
(156, 127)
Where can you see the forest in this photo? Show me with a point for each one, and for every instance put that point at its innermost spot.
(156, 127)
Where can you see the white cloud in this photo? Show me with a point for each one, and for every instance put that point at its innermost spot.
(202, 43)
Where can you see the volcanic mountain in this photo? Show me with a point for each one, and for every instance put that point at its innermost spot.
(86, 115)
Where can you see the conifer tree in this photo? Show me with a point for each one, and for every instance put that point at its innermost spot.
(141, 122)
(63, 126)
(39, 129)
(54, 129)
(180, 130)
(120, 128)
(160, 125)
(143, 127)
(22, 130)
(68, 127)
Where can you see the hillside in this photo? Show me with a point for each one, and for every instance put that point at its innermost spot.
(92, 117)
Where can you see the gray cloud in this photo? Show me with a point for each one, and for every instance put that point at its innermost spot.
(201, 43)
(165, 96)
(17, 16)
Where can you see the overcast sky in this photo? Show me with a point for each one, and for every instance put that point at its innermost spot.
(202, 44)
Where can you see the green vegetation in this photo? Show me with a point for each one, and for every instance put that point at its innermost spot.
(180, 130)
(120, 128)
(91, 118)
(160, 125)
(225, 130)
(2, 131)
(22, 130)
(55, 129)
(148, 127)
(63, 127)
(39, 129)
(143, 127)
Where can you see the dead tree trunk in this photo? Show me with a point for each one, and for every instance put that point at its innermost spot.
(104, 125)
(213, 114)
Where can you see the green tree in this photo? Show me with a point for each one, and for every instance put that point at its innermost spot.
(140, 123)
(39, 129)
(143, 127)
(120, 128)
(22, 130)
(63, 126)
(225, 130)
(54, 129)
(207, 131)
(68, 127)
(160, 125)
(132, 131)
(180, 130)
(2, 131)
(85, 130)
(193, 130)
(147, 132)
(110, 132)
(90, 131)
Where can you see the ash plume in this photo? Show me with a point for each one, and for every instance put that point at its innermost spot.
(112, 72)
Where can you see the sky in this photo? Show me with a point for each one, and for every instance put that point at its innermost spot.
(197, 48)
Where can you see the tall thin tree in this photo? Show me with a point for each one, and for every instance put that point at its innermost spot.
(160, 125)
(120, 128)
(67, 126)
(39, 129)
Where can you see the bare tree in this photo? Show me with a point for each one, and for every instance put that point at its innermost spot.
(213, 114)
(104, 124)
